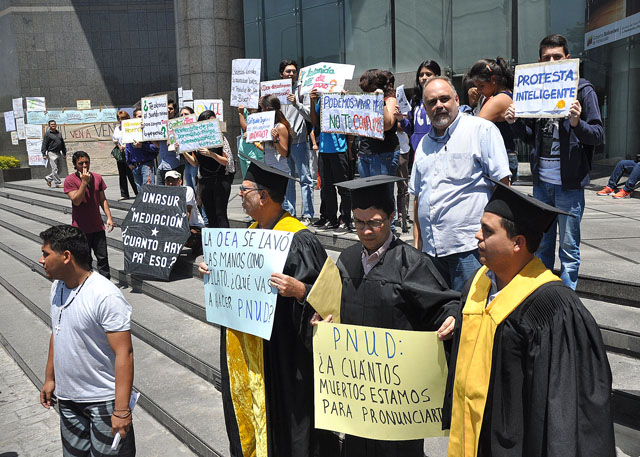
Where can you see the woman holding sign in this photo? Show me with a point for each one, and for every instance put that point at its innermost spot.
(216, 175)
(494, 80)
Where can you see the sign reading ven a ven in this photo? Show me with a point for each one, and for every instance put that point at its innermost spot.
(237, 291)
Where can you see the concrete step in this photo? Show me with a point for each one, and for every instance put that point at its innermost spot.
(165, 417)
(188, 341)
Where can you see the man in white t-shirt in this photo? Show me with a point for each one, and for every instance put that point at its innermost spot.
(173, 178)
(90, 363)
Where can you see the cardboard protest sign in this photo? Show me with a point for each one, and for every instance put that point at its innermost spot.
(378, 383)
(237, 291)
(36, 104)
(77, 133)
(259, 126)
(154, 231)
(83, 104)
(546, 89)
(131, 130)
(34, 147)
(205, 134)
(14, 138)
(20, 128)
(326, 294)
(403, 103)
(177, 122)
(33, 131)
(187, 95)
(36, 117)
(109, 115)
(155, 114)
(214, 104)
(9, 121)
(18, 111)
(357, 114)
(325, 77)
(245, 82)
(281, 88)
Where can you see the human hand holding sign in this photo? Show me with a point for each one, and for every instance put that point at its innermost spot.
(288, 286)
(445, 332)
(574, 113)
(510, 114)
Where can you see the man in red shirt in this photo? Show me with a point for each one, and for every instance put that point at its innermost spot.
(86, 191)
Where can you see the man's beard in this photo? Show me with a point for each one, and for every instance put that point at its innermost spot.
(441, 120)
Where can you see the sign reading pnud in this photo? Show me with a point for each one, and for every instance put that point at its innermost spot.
(237, 291)
(205, 134)
(154, 118)
(245, 82)
(546, 89)
(259, 126)
(378, 383)
(357, 114)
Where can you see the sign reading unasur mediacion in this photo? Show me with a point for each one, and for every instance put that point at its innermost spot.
(546, 89)
(356, 114)
(154, 231)
(378, 383)
(237, 291)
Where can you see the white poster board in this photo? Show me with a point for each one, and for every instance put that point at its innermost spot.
(281, 88)
(403, 103)
(155, 114)
(205, 134)
(36, 104)
(34, 152)
(33, 131)
(213, 104)
(259, 126)
(18, 110)
(325, 77)
(245, 82)
(354, 114)
(131, 130)
(546, 89)
(9, 121)
(20, 128)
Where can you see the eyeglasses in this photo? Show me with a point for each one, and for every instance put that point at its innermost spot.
(372, 223)
(249, 189)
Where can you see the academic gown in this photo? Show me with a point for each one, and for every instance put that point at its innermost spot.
(550, 381)
(403, 291)
(284, 427)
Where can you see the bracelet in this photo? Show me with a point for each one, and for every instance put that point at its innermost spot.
(124, 416)
(126, 409)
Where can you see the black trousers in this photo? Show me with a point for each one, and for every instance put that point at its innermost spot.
(124, 173)
(98, 244)
(214, 193)
(334, 167)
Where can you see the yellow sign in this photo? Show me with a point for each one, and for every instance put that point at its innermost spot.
(83, 104)
(378, 383)
(326, 294)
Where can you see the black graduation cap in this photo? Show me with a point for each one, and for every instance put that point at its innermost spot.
(266, 176)
(517, 207)
(371, 191)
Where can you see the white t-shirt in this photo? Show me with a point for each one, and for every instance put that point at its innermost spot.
(83, 360)
(195, 220)
(117, 135)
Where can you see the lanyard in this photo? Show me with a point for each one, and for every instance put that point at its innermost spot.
(69, 304)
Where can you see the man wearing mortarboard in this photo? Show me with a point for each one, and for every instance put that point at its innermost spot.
(267, 386)
(529, 375)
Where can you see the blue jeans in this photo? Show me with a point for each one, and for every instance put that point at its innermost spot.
(144, 174)
(456, 269)
(568, 229)
(190, 173)
(625, 166)
(377, 164)
(299, 166)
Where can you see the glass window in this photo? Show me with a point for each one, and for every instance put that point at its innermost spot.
(368, 34)
(323, 32)
(281, 42)
(277, 7)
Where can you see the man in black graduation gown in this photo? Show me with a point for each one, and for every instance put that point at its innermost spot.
(267, 386)
(529, 375)
(389, 284)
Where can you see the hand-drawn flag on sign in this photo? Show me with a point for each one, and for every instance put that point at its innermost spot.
(154, 231)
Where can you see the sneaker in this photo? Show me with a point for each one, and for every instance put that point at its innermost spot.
(48, 182)
(306, 221)
(622, 194)
(320, 222)
(330, 226)
(606, 191)
(343, 228)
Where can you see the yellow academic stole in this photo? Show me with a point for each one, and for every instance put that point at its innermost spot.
(473, 366)
(245, 362)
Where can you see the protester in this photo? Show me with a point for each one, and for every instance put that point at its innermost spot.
(167, 160)
(417, 123)
(281, 368)
(632, 167)
(217, 169)
(561, 161)
(402, 196)
(172, 178)
(141, 158)
(53, 149)
(448, 182)
(90, 364)
(376, 157)
(124, 172)
(493, 80)
(528, 373)
(190, 172)
(86, 191)
(297, 113)
(244, 148)
(334, 165)
(388, 284)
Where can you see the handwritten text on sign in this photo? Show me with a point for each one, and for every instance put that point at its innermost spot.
(358, 114)
(245, 82)
(378, 383)
(546, 89)
(36, 104)
(205, 134)
(259, 126)
(325, 77)
(154, 118)
(281, 88)
(131, 130)
(214, 104)
(237, 292)
(34, 146)
(177, 122)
